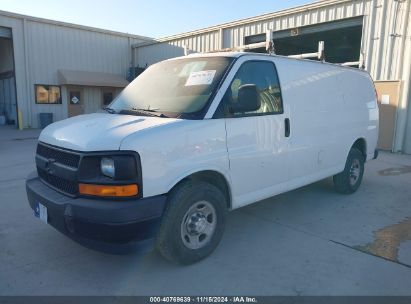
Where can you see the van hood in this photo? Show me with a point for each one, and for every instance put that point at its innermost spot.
(99, 131)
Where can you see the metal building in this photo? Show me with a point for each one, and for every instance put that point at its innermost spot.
(50, 67)
(375, 32)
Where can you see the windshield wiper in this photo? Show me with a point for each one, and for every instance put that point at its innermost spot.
(109, 110)
(144, 112)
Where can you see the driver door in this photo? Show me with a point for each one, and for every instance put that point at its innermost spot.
(257, 141)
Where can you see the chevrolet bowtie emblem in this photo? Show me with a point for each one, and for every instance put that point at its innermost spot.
(48, 165)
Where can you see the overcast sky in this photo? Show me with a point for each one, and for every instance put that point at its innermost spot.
(150, 17)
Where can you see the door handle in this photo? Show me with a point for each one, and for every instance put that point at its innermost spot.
(287, 127)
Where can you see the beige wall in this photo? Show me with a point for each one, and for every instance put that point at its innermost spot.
(388, 90)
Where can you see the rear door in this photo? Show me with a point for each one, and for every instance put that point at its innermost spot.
(257, 142)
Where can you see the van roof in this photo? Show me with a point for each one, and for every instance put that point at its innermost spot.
(225, 54)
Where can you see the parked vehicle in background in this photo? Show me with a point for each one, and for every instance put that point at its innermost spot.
(194, 137)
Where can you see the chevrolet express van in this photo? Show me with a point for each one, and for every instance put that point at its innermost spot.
(197, 136)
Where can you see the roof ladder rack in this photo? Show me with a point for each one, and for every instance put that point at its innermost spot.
(319, 54)
(359, 63)
(268, 44)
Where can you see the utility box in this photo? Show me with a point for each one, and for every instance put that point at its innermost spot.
(45, 119)
(388, 93)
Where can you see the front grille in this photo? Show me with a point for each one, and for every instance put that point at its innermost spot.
(62, 157)
(59, 183)
(55, 156)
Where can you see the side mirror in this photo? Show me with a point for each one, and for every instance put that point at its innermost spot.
(248, 99)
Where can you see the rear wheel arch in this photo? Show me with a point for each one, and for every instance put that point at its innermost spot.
(361, 145)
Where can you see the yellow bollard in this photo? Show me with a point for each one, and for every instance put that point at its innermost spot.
(20, 117)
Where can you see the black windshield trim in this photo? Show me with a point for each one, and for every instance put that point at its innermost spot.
(109, 110)
(160, 114)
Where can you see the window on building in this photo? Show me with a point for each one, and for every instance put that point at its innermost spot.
(108, 97)
(48, 94)
(254, 39)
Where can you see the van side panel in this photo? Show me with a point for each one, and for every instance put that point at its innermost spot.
(314, 96)
(330, 108)
(360, 105)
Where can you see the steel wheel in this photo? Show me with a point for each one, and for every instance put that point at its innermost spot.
(355, 171)
(350, 179)
(198, 225)
(193, 222)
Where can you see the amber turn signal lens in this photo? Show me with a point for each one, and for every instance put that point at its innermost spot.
(108, 190)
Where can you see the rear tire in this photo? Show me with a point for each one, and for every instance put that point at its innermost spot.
(193, 222)
(349, 180)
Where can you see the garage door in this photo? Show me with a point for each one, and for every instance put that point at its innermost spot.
(342, 40)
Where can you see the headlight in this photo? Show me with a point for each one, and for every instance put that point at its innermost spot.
(110, 174)
(107, 167)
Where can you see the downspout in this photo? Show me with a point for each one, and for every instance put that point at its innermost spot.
(26, 64)
(402, 110)
(133, 57)
(369, 28)
(387, 69)
(221, 38)
(380, 47)
(130, 55)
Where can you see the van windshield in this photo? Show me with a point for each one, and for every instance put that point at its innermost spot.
(175, 88)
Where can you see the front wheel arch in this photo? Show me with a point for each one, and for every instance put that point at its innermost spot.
(212, 177)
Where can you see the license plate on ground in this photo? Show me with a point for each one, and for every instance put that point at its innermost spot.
(41, 212)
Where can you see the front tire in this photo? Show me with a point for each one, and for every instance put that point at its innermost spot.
(349, 180)
(193, 222)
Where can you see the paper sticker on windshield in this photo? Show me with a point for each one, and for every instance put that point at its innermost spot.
(200, 78)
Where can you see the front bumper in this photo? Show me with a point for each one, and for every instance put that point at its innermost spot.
(112, 221)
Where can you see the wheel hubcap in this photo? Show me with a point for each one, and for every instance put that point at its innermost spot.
(355, 171)
(198, 225)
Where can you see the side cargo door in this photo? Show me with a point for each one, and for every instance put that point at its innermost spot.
(257, 141)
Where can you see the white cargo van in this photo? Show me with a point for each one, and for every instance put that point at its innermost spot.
(197, 136)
